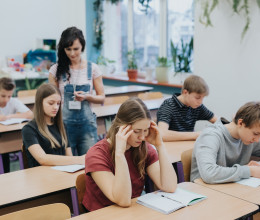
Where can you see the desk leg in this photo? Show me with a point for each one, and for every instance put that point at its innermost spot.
(20, 156)
(1, 164)
(75, 203)
(180, 173)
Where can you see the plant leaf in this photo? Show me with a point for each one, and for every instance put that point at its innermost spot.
(258, 3)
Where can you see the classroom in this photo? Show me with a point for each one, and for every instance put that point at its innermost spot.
(145, 36)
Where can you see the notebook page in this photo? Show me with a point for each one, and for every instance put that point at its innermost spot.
(159, 203)
(69, 168)
(251, 181)
(183, 196)
(13, 121)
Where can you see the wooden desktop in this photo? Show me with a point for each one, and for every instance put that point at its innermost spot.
(216, 206)
(37, 186)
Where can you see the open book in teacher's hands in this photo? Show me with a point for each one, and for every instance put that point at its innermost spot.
(14, 121)
(169, 202)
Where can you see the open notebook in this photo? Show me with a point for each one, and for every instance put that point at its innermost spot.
(14, 121)
(169, 202)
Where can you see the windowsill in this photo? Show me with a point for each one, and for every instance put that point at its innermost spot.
(142, 81)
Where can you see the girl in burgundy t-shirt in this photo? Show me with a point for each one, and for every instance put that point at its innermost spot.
(116, 166)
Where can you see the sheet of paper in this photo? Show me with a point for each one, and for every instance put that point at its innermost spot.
(69, 168)
(13, 121)
(252, 181)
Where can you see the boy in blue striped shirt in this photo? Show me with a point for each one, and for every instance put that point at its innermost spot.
(177, 115)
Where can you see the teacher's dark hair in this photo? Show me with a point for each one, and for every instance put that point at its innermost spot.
(68, 36)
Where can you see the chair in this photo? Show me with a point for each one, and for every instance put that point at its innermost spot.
(25, 160)
(24, 93)
(115, 100)
(186, 163)
(150, 95)
(55, 211)
(81, 188)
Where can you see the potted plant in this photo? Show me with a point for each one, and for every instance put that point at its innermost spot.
(182, 58)
(104, 64)
(132, 65)
(162, 69)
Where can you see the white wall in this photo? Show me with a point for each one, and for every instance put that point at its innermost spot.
(231, 67)
(23, 21)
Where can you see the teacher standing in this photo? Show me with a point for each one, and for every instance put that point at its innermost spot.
(76, 78)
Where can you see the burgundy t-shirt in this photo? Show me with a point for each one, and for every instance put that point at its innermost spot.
(99, 158)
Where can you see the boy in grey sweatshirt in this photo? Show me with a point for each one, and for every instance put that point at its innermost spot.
(222, 152)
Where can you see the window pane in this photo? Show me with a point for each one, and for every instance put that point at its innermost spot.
(115, 34)
(146, 33)
(180, 24)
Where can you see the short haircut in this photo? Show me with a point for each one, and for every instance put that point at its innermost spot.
(250, 113)
(7, 84)
(195, 84)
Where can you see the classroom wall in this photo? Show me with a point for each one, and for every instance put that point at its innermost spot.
(23, 21)
(230, 66)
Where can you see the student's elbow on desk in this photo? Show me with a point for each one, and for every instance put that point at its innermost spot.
(124, 204)
(212, 178)
(42, 161)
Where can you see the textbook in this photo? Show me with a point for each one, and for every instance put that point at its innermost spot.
(14, 121)
(169, 202)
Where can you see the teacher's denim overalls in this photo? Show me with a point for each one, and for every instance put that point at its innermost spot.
(80, 124)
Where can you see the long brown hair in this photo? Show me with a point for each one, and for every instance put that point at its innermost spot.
(131, 111)
(44, 91)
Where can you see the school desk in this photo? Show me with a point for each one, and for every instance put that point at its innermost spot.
(247, 193)
(11, 141)
(216, 206)
(37, 186)
(131, 90)
(175, 149)
(103, 112)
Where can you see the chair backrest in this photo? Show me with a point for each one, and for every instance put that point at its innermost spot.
(23, 93)
(81, 188)
(150, 95)
(55, 211)
(186, 163)
(25, 160)
(115, 100)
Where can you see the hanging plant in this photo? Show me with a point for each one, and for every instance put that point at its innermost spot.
(238, 7)
(98, 23)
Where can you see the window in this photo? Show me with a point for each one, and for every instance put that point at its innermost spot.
(180, 23)
(146, 34)
(115, 33)
(145, 30)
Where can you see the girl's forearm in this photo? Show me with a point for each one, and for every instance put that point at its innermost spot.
(168, 176)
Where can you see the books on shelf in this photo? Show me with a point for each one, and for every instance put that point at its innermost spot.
(14, 121)
(169, 202)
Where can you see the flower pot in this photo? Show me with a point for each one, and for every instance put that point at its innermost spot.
(132, 74)
(162, 74)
